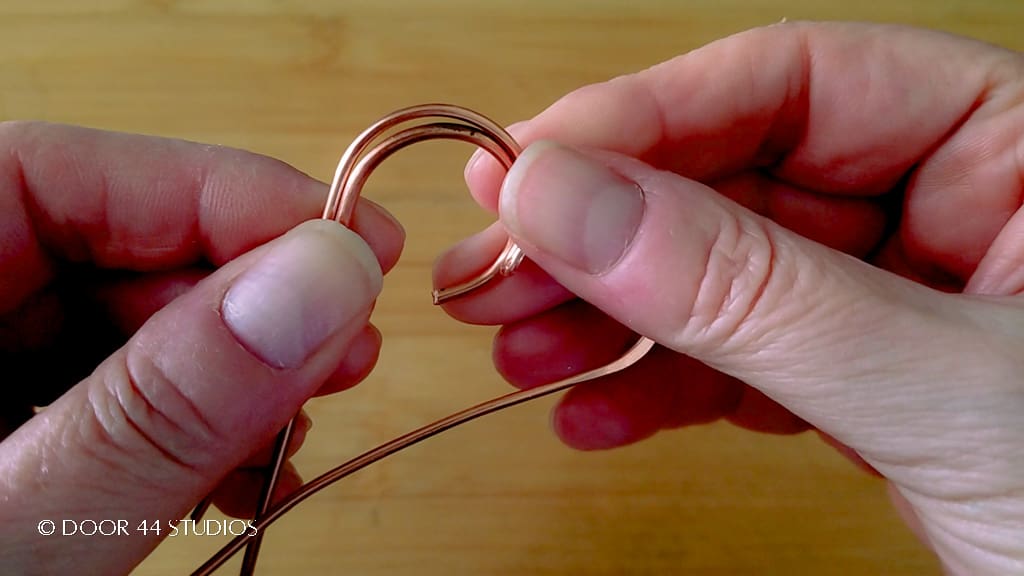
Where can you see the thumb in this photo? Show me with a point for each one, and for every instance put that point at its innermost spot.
(859, 352)
(200, 386)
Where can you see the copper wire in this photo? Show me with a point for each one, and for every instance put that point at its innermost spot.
(354, 168)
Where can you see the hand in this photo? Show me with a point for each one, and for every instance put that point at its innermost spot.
(230, 328)
(820, 226)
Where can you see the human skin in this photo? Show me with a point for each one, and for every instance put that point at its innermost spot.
(162, 299)
(735, 204)
(820, 225)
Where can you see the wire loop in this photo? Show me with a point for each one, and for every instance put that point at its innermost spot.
(354, 168)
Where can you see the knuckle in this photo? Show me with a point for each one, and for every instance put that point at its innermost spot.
(142, 415)
(740, 272)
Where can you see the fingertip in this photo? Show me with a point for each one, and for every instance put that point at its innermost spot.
(589, 422)
(381, 230)
(303, 424)
(484, 174)
(505, 299)
(608, 414)
(469, 256)
(557, 344)
(572, 210)
(361, 358)
(483, 177)
(315, 282)
(289, 481)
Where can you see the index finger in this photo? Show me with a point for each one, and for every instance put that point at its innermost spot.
(831, 107)
(143, 203)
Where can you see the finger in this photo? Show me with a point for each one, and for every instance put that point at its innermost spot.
(359, 360)
(79, 320)
(127, 303)
(43, 359)
(892, 256)
(859, 353)
(703, 395)
(206, 381)
(968, 190)
(852, 225)
(505, 299)
(620, 409)
(832, 107)
(141, 203)
(664, 390)
(810, 327)
(562, 342)
(576, 337)
(265, 455)
(130, 302)
(237, 495)
(827, 106)
(999, 271)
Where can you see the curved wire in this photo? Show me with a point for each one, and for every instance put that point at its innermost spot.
(635, 353)
(511, 255)
(349, 178)
(340, 198)
(354, 168)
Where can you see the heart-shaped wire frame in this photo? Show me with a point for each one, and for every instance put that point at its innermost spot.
(428, 122)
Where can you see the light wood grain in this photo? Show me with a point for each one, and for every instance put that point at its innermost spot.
(296, 79)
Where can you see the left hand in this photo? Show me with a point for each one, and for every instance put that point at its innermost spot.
(145, 301)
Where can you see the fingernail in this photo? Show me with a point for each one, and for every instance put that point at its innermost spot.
(472, 162)
(312, 282)
(571, 206)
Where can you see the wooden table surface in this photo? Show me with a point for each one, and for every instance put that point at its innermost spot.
(297, 79)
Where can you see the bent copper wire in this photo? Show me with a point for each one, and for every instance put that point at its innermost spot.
(349, 178)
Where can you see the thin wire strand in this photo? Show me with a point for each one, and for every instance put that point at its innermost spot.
(639, 349)
(349, 179)
(354, 169)
(280, 452)
(335, 195)
(200, 510)
(509, 258)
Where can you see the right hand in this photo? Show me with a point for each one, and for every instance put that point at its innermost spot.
(733, 186)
